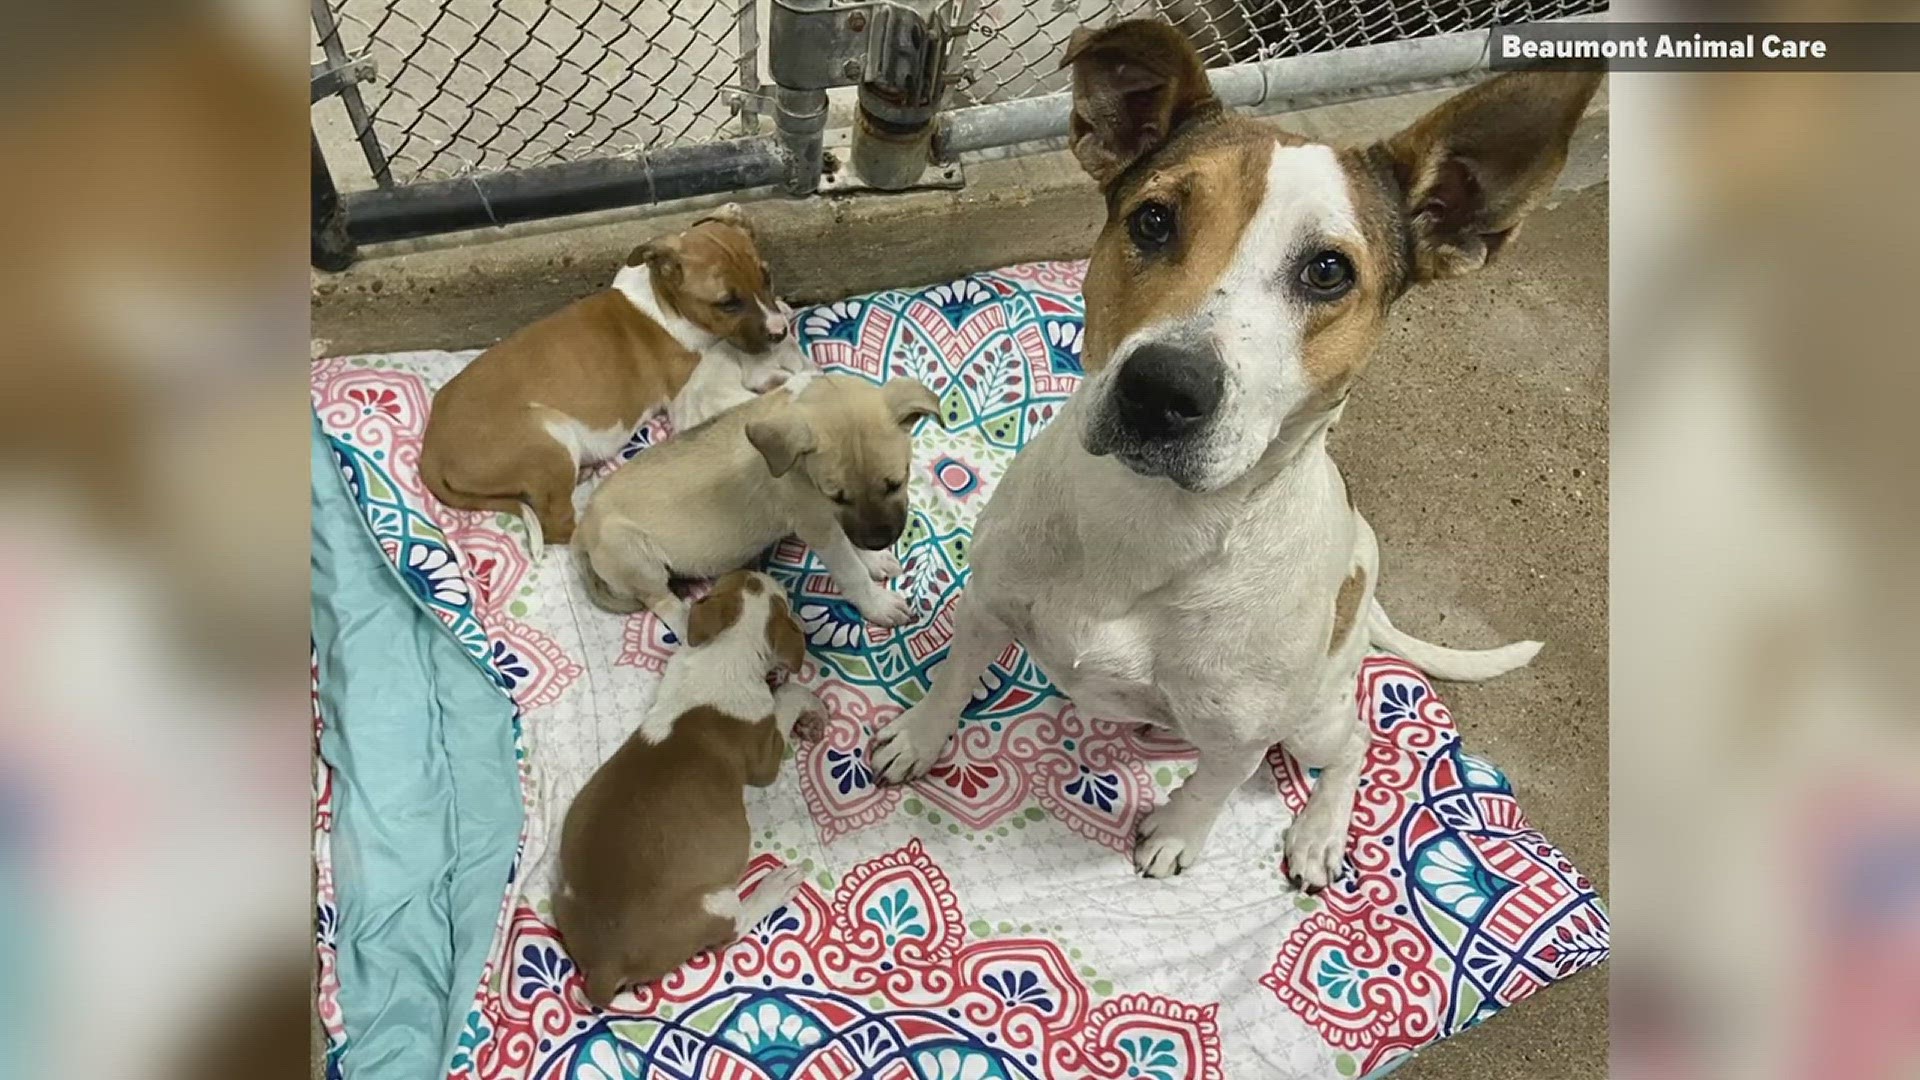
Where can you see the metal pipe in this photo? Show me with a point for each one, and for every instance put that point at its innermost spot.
(801, 120)
(573, 187)
(890, 142)
(332, 246)
(981, 127)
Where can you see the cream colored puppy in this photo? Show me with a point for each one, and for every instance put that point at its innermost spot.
(824, 458)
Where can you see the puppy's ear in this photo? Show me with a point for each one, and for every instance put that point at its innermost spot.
(909, 400)
(789, 640)
(711, 615)
(783, 439)
(1472, 169)
(733, 215)
(661, 255)
(1134, 84)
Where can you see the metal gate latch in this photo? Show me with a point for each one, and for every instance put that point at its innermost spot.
(898, 53)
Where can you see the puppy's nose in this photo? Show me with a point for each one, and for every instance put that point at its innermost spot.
(778, 322)
(1164, 391)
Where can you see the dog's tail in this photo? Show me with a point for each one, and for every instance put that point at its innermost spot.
(1453, 665)
(436, 480)
(598, 590)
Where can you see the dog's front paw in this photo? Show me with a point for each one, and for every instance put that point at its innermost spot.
(780, 884)
(884, 607)
(1169, 840)
(772, 379)
(811, 724)
(882, 565)
(1316, 848)
(799, 712)
(909, 746)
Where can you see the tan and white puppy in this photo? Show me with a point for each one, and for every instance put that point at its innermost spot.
(512, 429)
(824, 458)
(1177, 547)
(654, 845)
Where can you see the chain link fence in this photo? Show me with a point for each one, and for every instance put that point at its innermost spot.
(478, 86)
(1015, 46)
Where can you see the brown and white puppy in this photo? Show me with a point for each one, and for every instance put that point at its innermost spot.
(654, 845)
(826, 458)
(512, 429)
(1177, 546)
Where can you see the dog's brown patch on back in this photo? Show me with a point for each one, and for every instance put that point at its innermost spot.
(658, 826)
(1215, 177)
(1346, 608)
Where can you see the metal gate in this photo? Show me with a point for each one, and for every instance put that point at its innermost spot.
(437, 115)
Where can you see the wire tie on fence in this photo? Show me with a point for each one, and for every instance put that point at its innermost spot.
(485, 203)
(646, 170)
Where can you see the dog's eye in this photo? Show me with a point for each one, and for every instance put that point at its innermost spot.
(731, 303)
(1328, 274)
(893, 486)
(1151, 225)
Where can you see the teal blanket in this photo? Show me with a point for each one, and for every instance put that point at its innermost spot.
(426, 806)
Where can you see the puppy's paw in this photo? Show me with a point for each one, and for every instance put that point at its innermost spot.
(1316, 849)
(1170, 839)
(908, 747)
(773, 893)
(882, 566)
(779, 885)
(810, 725)
(771, 379)
(884, 607)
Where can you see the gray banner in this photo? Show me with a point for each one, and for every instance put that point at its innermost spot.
(1707, 47)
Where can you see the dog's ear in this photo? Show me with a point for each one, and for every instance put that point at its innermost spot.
(789, 640)
(1472, 169)
(783, 439)
(909, 400)
(732, 214)
(1134, 84)
(711, 615)
(661, 255)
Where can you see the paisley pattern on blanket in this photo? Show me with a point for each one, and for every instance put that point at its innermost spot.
(1456, 907)
(880, 977)
(902, 958)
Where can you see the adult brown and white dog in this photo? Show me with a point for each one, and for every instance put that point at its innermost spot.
(1177, 547)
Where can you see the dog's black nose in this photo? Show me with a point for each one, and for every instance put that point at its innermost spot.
(1163, 391)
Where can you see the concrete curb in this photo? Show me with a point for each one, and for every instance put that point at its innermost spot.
(471, 289)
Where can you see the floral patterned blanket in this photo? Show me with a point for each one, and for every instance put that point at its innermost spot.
(984, 922)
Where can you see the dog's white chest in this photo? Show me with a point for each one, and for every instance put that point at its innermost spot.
(1105, 665)
(587, 445)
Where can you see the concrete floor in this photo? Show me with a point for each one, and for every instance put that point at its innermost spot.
(1477, 447)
